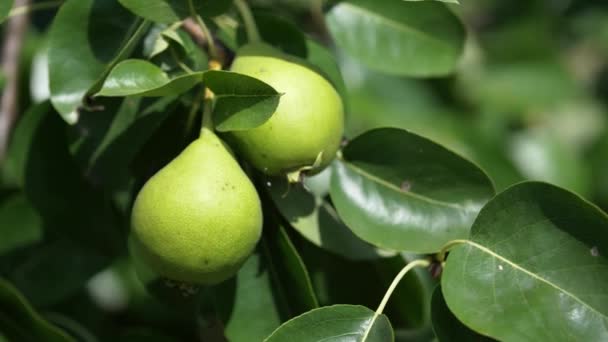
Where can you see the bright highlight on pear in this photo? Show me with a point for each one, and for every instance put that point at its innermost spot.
(305, 131)
(199, 218)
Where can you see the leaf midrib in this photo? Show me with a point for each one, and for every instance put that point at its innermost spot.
(533, 275)
(397, 189)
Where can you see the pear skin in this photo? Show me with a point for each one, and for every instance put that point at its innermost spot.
(200, 217)
(306, 129)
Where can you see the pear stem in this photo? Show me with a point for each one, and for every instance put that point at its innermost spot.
(253, 34)
(207, 114)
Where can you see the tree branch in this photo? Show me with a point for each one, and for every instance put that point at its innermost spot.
(11, 53)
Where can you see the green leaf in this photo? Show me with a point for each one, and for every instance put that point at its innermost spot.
(399, 37)
(118, 141)
(317, 221)
(446, 326)
(19, 321)
(535, 268)
(56, 188)
(170, 11)
(291, 278)
(20, 224)
(253, 312)
(5, 7)
(400, 191)
(337, 322)
(242, 102)
(135, 77)
(338, 280)
(87, 38)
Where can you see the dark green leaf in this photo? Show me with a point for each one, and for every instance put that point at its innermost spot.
(19, 322)
(446, 326)
(252, 312)
(289, 274)
(170, 11)
(87, 38)
(400, 191)
(337, 322)
(399, 37)
(55, 187)
(118, 142)
(337, 280)
(271, 287)
(136, 77)
(316, 219)
(242, 102)
(5, 7)
(535, 268)
(15, 165)
(56, 271)
(20, 224)
(278, 32)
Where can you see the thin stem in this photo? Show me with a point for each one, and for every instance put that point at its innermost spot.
(179, 62)
(210, 41)
(207, 112)
(19, 10)
(15, 32)
(208, 37)
(253, 35)
(196, 105)
(446, 248)
(391, 289)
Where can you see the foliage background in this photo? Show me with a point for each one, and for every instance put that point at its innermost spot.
(527, 101)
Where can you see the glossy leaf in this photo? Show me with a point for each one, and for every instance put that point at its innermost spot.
(535, 268)
(346, 322)
(20, 224)
(79, 59)
(242, 102)
(19, 321)
(5, 7)
(400, 191)
(170, 11)
(317, 221)
(136, 77)
(399, 37)
(446, 326)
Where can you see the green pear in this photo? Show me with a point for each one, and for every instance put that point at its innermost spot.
(306, 129)
(200, 217)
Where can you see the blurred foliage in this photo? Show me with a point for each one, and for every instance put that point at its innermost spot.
(528, 100)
